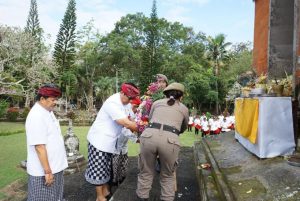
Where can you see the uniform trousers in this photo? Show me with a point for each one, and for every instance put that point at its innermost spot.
(153, 143)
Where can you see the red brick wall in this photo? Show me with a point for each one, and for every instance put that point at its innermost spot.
(261, 35)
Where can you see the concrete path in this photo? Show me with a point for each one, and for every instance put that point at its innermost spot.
(77, 189)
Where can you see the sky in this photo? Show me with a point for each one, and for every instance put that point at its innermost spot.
(234, 18)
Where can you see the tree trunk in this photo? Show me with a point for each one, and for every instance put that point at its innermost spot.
(217, 88)
(90, 99)
(79, 102)
(217, 100)
(27, 99)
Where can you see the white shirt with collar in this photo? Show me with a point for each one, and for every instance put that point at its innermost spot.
(42, 127)
(105, 130)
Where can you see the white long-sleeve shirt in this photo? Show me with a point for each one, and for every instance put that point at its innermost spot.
(215, 125)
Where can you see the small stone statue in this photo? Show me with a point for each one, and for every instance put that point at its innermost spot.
(71, 142)
(76, 160)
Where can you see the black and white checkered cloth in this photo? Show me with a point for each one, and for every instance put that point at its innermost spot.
(98, 171)
(38, 191)
(119, 167)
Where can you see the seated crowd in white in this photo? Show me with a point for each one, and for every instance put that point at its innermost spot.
(213, 125)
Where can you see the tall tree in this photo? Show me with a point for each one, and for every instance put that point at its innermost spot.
(217, 53)
(33, 23)
(151, 64)
(32, 56)
(64, 49)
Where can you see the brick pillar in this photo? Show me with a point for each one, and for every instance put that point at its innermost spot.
(261, 36)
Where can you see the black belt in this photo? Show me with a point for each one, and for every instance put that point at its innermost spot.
(171, 129)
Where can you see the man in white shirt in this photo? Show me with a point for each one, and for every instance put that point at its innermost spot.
(102, 138)
(46, 155)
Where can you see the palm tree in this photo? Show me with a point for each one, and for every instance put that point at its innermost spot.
(217, 54)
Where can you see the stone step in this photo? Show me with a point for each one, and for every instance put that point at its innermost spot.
(213, 184)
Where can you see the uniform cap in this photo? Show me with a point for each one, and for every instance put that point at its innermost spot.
(161, 77)
(175, 86)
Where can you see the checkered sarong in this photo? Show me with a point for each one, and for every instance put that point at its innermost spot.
(120, 162)
(38, 191)
(98, 170)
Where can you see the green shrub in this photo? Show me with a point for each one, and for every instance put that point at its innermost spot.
(3, 108)
(25, 112)
(208, 115)
(12, 114)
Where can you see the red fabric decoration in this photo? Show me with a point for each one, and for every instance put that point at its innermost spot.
(130, 91)
(198, 126)
(136, 101)
(49, 91)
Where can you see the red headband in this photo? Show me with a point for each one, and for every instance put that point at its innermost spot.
(130, 91)
(49, 91)
(136, 101)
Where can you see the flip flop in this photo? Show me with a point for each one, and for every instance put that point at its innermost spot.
(294, 162)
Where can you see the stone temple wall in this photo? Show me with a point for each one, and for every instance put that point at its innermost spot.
(281, 38)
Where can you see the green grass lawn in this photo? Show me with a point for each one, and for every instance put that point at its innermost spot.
(7, 128)
(13, 150)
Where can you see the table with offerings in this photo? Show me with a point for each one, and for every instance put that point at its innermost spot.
(264, 125)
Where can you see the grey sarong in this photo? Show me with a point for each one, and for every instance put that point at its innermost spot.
(38, 191)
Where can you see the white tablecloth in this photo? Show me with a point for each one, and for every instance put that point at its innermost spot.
(275, 129)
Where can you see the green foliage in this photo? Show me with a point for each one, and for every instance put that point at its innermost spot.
(64, 49)
(151, 60)
(12, 114)
(208, 115)
(135, 50)
(104, 88)
(3, 108)
(25, 112)
(158, 95)
(217, 53)
(70, 82)
(33, 23)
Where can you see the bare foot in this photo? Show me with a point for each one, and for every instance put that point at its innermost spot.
(101, 199)
(106, 192)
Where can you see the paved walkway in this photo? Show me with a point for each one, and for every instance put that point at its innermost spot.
(77, 189)
(186, 180)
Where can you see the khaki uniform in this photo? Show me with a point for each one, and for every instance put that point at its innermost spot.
(165, 144)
